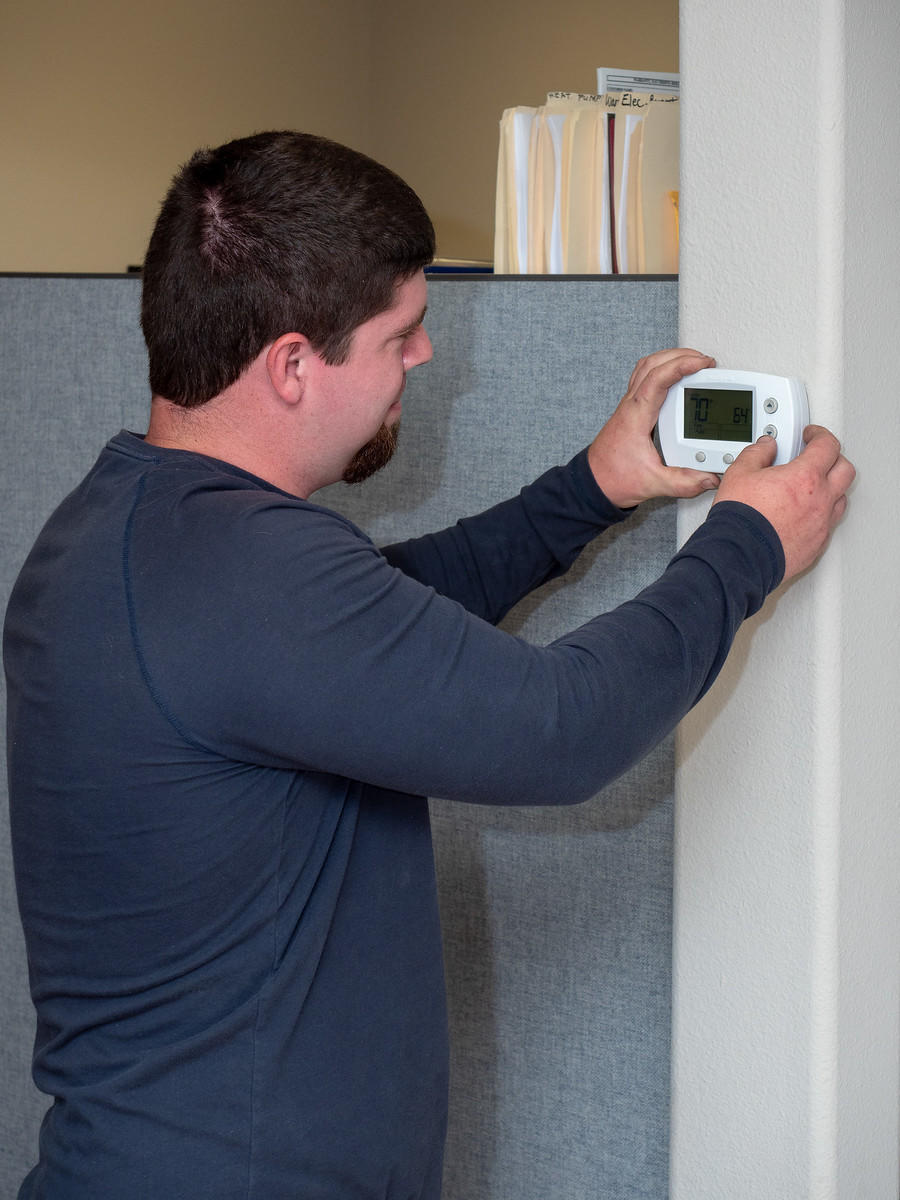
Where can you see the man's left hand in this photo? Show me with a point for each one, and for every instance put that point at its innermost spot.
(623, 458)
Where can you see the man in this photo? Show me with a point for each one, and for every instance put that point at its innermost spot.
(226, 705)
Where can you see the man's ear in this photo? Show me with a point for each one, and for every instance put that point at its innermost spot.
(286, 362)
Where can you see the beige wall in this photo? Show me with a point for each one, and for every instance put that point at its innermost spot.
(450, 71)
(102, 100)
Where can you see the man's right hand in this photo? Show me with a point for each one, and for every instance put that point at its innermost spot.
(803, 499)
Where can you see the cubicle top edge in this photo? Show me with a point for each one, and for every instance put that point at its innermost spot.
(555, 278)
(69, 275)
(453, 275)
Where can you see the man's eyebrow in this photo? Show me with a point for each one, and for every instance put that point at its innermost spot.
(413, 325)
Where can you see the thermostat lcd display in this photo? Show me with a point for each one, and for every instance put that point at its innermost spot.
(722, 414)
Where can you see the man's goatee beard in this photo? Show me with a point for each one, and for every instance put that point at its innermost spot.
(373, 456)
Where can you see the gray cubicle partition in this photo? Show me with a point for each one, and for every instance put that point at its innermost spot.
(557, 922)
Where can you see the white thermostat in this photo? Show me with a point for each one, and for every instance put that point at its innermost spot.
(708, 418)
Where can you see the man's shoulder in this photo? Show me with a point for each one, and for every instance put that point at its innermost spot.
(190, 506)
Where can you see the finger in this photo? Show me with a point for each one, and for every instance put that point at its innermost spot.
(822, 454)
(682, 483)
(821, 442)
(814, 431)
(690, 360)
(756, 456)
(823, 451)
(842, 474)
(651, 362)
(641, 405)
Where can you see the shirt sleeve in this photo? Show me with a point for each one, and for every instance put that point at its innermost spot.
(283, 638)
(491, 561)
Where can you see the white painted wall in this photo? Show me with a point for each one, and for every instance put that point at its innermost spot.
(786, 1056)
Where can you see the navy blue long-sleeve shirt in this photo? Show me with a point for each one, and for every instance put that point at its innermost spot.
(225, 707)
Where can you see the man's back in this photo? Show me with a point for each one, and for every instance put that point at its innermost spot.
(185, 906)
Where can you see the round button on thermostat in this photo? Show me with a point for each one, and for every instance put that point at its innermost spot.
(700, 456)
(771, 431)
(771, 405)
(728, 459)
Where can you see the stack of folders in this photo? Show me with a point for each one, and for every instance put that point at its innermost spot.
(588, 185)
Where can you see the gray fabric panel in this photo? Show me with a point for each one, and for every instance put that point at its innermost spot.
(557, 922)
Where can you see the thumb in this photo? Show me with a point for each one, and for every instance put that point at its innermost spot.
(684, 483)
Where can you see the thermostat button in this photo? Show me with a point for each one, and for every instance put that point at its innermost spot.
(771, 431)
(700, 456)
(728, 459)
(771, 405)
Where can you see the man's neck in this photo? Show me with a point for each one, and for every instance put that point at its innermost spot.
(212, 429)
